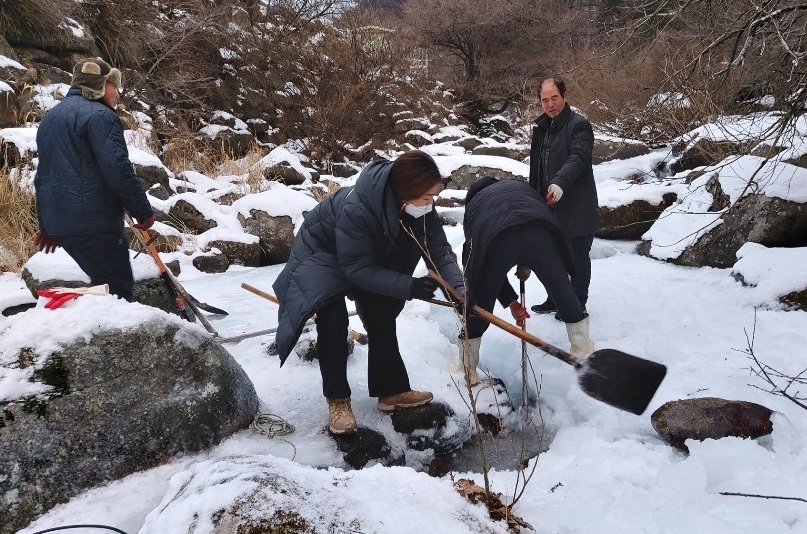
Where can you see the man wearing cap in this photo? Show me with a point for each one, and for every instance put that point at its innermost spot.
(84, 180)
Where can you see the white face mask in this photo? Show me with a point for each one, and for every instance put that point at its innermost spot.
(417, 211)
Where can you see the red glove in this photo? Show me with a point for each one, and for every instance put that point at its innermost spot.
(146, 223)
(519, 312)
(45, 243)
(57, 298)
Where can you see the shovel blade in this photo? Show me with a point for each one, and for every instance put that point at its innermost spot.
(620, 379)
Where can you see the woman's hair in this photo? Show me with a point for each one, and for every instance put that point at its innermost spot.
(413, 174)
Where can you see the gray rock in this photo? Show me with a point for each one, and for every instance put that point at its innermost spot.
(769, 221)
(9, 110)
(7, 50)
(122, 402)
(630, 221)
(710, 418)
(285, 174)
(469, 143)
(151, 175)
(429, 428)
(611, 150)
(707, 152)
(212, 263)
(246, 254)
(366, 446)
(275, 233)
(468, 174)
(510, 152)
(190, 219)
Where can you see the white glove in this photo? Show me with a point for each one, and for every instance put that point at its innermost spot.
(94, 290)
(553, 194)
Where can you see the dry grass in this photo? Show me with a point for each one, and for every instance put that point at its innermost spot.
(324, 189)
(187, 153)
(18, 222)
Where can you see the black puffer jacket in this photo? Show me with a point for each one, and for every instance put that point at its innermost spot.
(84, 179)
(493, 207)
(570, 147)
(355, 239)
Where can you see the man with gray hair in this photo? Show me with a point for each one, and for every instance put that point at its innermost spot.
(561, 171)
(84, 180)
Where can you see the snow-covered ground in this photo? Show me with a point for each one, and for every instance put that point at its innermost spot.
(606, 471)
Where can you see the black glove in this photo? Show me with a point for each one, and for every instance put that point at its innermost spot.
(423, 288)
(466, 301)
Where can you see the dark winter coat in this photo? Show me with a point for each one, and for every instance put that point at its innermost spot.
(84, 179)
(570, 145)
(494, 207)
(355, 239)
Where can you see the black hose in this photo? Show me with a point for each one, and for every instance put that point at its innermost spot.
(113, 529)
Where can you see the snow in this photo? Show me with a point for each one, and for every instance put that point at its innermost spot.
(283, 154)
(6, 62)
(23, 138)
(606, 471)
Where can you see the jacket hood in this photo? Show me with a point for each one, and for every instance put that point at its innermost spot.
(373, 193)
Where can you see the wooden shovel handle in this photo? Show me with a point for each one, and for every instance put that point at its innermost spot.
(264, 294)
(504, 325)
(357, 336)
(170, 280)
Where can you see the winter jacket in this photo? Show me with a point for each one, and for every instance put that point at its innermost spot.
(355, 239)
(84, 179)
(494, 207)
(570, 146)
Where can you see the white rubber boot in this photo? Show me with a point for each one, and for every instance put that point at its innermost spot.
(469, 349)
(582, 345)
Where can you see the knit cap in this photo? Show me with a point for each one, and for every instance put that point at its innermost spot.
(91, 75)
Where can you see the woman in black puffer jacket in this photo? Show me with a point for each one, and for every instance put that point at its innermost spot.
(364, 242)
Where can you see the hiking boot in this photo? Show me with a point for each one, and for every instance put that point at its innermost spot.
(407, 399)
(546, 307)
(340, 417)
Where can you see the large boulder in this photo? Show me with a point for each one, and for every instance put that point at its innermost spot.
(190, 219)
(769, 221)
(275, 228)
(69, 36)
(611, 150)
(627, 210)
(516, 152)
(705, 152)
(720, 211)
(105, 399)
(276, 234)
(710, 418)
(238, 252)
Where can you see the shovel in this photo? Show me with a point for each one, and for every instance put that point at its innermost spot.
(358, 337)
(608, 375)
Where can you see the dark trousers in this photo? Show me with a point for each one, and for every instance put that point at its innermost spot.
(581, 256)
(386, 372)
(531, 246)
(104, 258)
